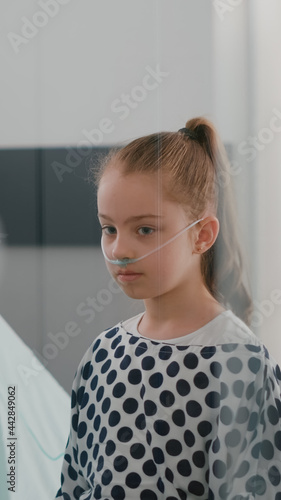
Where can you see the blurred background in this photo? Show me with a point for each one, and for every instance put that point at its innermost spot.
(80, 77)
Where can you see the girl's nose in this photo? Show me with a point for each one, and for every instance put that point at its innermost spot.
(121, 249)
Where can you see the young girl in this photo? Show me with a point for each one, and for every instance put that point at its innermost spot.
(181, 401)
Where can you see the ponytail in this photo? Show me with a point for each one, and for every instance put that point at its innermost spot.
(222, 264)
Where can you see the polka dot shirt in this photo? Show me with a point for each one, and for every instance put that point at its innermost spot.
(194, 417)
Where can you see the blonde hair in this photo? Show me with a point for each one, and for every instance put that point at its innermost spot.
(194, 163)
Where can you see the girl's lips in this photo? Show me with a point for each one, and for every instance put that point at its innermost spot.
(128, 276)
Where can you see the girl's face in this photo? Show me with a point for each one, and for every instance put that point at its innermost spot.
(136, 217)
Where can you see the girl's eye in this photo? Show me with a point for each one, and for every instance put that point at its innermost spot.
(108, 229)
(144, 231)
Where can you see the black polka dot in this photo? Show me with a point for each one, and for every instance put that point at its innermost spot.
(165, 352)
(277, 440)
(161, 427)
(267, 449)
(91, 411)
(103, 434)
(105, 367)
(134, 376)
(169, 475)
(150, 408)
(119, 390)
(173, 369)
(149, 468)
(106, 477)
(97, 492)
(137, 450)
(274, 476)
(189, 438)
(160, 486)
(198, 459)
(178, 418)
(204, 428)
(97, 422)
(156, 380)
(253, 421)
(233, 438)
(115, 342)
(120, 463)
(87, 370)
(208, 352)
(83, 458)
(82, 429)
(196, 488)
(234, 365)
(114, 418)
(213, 399)
(254, 364)
(148, 437)
(243, 469)
(273, 415)
(89, 441)
(158, 455)
(238, 388)
(216, 369)
(110, 448)
(148, 363)
(193, 408)
(190, 360)
(133, 480)
(173, 447)
(224, 391)
(101, 355)
(219, 469)
(126, 361)
(111, 333)
(256, 485)
(140, 422)
(183, 387)
(125, 434)
(100, 393)
(130, 405)
(141, 349)
(184, 468)
(111, 377)
(119, 352)
(226, 415)
(118, 493)
(201, 380)
(250, 391)
(167, 398)
(229, 347)
(80, 394)
(105, 405)
(148, 495)
(216, 445)
(242, 415)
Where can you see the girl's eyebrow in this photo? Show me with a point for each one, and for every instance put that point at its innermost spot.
(132, 218)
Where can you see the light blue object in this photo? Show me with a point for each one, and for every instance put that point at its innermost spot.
(42, 421)
(124, 262)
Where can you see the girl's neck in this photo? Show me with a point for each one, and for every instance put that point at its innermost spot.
(165, 318)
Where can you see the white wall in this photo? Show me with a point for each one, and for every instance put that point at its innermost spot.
(266, 104)
(70, 74)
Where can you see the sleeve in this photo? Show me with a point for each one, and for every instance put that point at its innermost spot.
(245, 456)
(73, 483)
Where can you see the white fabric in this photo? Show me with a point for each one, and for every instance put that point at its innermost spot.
(42, 409)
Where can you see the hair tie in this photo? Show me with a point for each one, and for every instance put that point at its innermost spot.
(188, 133)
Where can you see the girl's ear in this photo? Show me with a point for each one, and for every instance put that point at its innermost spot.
(206, 235)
